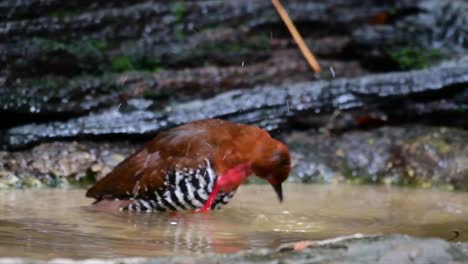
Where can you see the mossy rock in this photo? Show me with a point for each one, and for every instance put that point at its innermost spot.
(409, 58)
(415, 156)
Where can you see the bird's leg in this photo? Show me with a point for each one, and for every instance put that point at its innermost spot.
(227, 182)
(207, 206)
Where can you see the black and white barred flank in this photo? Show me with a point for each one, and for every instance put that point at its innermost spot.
(185, 189)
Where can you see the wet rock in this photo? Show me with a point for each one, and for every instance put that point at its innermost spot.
(415, 155)
(143, 18)
(48, 42)
(15, 10)
(59, 98)
(60, 164)
(397, 97)
(413, 35)
(57, 53)
(145, 34)
(384, 249)
(410, 156)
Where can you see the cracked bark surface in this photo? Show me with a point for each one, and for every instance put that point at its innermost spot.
(439, 90)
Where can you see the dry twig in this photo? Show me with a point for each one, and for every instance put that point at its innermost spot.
(297, 36)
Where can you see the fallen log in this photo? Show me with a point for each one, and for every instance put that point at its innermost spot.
(433, 91)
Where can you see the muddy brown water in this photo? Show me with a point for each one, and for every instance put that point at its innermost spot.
(53, 223)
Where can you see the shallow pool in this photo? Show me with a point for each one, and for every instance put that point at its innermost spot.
(54, 223)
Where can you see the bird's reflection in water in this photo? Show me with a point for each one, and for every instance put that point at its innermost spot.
(189, 232)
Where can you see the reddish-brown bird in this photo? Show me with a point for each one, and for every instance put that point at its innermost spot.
(194, 166)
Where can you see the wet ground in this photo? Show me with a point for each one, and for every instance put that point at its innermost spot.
(45, 224)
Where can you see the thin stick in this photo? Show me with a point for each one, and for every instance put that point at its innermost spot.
(297, 37)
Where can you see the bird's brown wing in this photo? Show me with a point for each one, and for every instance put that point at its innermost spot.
(120, 183)
(145, 171)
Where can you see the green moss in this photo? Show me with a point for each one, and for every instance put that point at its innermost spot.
(235, 47)
(50, 180)
(87, 56)
(413, 58)
(122, 63)
(356, 181)
(98, 44)
(84, 182)
(49, 84)
(354, 177)
(439, 144)
(179, 32)
(153, 65)
(63, 13)
(94, 46)
(152, 95)
(261, 41)
(180, 11)
(31, 182)
(88, 179)
(392, 11)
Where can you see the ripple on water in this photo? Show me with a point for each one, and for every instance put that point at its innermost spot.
(54, 223)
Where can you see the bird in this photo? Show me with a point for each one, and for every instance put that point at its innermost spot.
(196, 166)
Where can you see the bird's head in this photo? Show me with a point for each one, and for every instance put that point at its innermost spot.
(272, 162)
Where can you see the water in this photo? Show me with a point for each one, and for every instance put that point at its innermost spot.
(53, 223)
